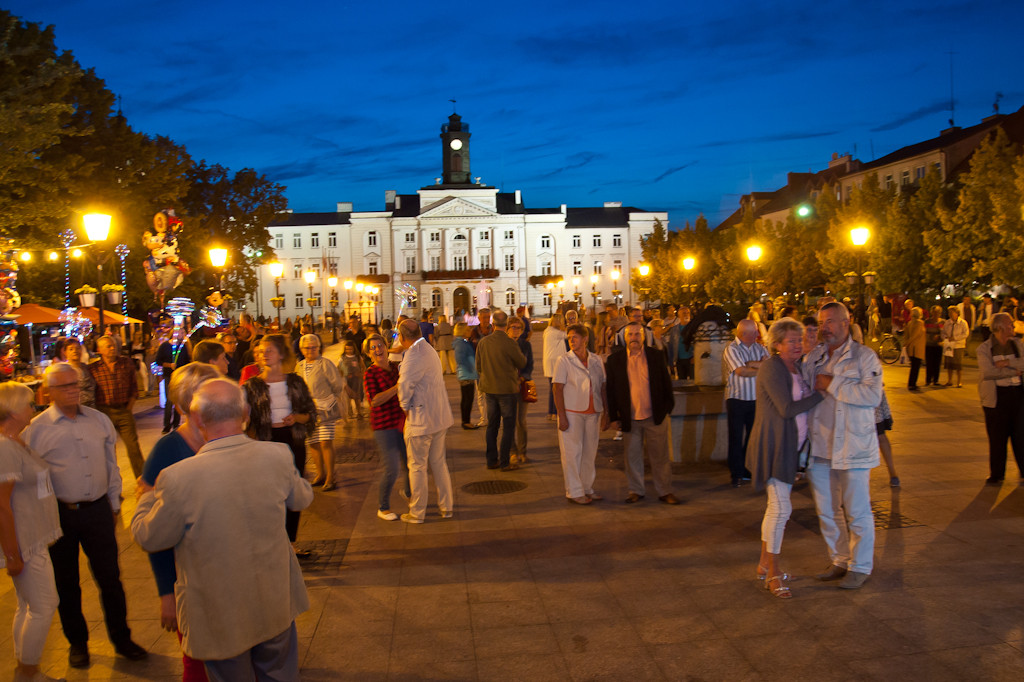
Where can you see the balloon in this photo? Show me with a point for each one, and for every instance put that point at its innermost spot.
(164, 269)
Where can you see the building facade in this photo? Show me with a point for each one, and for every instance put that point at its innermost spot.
(454, 246)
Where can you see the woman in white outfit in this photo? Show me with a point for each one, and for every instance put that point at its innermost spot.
(579, 388)
(327, 387)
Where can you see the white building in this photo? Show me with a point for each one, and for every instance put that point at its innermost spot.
(459, 244)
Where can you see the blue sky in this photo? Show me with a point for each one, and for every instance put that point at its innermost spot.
(676, 106)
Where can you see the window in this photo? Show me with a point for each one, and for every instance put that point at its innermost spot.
(545, 268)
(371, 268)
(888, 181)
(938, 167)
(315, 267)
(510, 296)
(299, 301)
(919, 173)
(371, 239)
(297, 270)
(849, 192)
(546, 300)
(904, 178)
(414, 300)
(435, 298)
(597, 267)
(410, 265)
(278, 241)
(410, 237)
(297, 241)
(435, 262)
(462, 237)
(510, 262)
(485, 236)
(333, 269)
(332, 240)
(458, 263)
(576, 241)
(616, 240)
(577, 267)
(545, 242)
(509, 235)
(317, 303)
(617, 266)
(314, 240)
(597, 241)
(485, 261)
(435, 237)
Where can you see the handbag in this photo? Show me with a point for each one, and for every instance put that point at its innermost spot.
(527, 391)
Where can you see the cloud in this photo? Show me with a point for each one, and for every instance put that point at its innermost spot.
(926, 110)
(778, 137)
(670, 171)
(578, 160)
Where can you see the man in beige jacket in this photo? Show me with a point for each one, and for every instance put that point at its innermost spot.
(239, 586)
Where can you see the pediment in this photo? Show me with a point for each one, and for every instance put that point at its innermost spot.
(455, 207)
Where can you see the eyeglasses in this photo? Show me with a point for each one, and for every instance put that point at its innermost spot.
(64, 387)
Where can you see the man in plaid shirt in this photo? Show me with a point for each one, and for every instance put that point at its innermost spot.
(116, 391)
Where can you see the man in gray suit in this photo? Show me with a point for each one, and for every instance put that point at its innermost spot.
(239, 585)
(428, 414)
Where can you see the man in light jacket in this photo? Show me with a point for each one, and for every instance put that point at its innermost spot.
(239, 585)
(423, 396)
(844, 445)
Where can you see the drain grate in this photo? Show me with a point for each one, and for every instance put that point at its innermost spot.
(887, 519)
(326, 558)
(496, 487)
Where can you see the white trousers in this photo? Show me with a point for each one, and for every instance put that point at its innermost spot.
(578, 447)
(776, 514)
(843, 500)
(37, 602)
(428, 451)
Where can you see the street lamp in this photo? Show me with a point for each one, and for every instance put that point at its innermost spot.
(310, 277)
(551, 297)
(576, 295)
(561, 293)
(643, 270)
(754, 253)
(689, 263)
(332, 282)
(277, 271)
(593, 290)
(97, 229)
(859, 236)
(616, 293)
(218, 258)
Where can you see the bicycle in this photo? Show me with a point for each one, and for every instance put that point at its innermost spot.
(889, 349)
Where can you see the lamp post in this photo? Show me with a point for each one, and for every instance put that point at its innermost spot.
(360, 288)
(616, 292)
(576, 294)
(689, 263)
(859, 236)
(332, 282)
(593, 291)
(551, 297)
(277, 271)
(310, 277)
(561, 293)
(97, 229)
(218, 258)
(644, 270)
(754, 253)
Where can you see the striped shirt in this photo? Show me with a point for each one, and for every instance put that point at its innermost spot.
(737, 354)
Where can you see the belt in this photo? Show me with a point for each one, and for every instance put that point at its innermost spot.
(81, 505)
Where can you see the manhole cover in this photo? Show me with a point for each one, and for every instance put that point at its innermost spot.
(493, 487)
(885, 518)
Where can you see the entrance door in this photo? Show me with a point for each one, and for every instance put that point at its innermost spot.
(460, 301)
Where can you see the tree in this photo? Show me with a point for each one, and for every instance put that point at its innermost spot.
(868, 208)
(899, 253)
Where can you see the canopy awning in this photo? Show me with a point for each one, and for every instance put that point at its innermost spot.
(109, 316)
(33, 313)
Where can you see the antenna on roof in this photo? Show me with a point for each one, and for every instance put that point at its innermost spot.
(995, 105)
(453, 105)
(952, 103)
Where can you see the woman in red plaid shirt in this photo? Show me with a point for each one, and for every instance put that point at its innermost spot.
(387, 421)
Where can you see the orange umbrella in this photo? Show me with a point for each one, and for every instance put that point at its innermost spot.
(109, 316)
(33, 313)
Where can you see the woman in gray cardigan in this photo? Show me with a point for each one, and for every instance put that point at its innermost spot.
(779, 435)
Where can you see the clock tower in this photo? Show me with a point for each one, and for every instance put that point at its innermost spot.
(455, 151)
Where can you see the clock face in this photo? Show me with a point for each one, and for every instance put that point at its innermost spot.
(455, 144)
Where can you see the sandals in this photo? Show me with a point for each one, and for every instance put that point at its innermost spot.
(762, 571)
(782, 591)
(578, 500)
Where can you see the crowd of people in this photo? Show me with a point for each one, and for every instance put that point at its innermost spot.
(803, 399)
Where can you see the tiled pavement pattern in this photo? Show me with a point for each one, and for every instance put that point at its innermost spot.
(522, 586)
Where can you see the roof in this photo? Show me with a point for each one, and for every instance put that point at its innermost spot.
(617, 216)
(303, 219)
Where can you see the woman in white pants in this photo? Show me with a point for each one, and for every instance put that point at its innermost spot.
(579, 384)
(777, 440)
(29, 524)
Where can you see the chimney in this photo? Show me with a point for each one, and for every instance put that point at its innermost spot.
(519, 197)
(613, 204)
(344, 207)
(389, 197)
(563, 209)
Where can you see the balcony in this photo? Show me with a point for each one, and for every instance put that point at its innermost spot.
(433, 275)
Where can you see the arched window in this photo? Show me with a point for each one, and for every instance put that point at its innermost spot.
(435, 298)
(510, 296)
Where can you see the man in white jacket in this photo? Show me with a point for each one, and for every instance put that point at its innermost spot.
(844, 445)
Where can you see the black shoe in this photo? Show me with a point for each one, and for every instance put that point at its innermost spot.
(737, 482)
(470, 427)
(993, 481)
(78, 656)
(303, 554)
(130, 650)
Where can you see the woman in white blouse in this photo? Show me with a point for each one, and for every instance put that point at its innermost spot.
(327, 387)
(578, 384)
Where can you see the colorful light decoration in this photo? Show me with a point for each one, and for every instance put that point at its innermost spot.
(122, 252)
(75, 324)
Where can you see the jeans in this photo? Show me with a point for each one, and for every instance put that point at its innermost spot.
(843, 500)
(521, 408)
(503, 406)
(740, 416)
(37, 602)
(466, 405)
(391, 444)
(915, 368)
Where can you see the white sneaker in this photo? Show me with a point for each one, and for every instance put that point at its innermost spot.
(409, 518)
(446, 514)
(618, 435)
(387, 515)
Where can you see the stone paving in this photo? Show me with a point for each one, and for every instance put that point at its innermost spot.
(522, 586)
